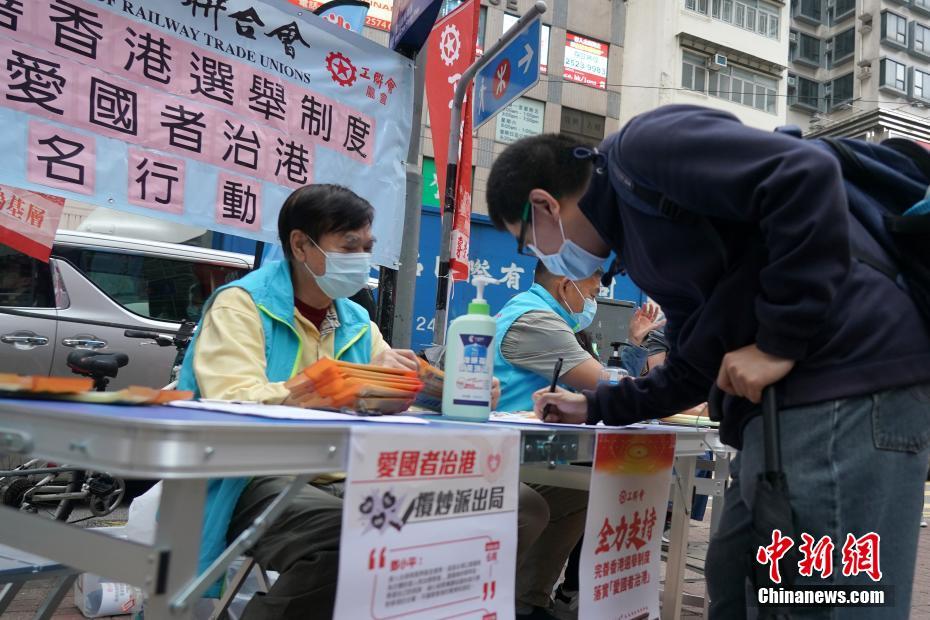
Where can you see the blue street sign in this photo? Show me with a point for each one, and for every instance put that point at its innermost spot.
(509, 74)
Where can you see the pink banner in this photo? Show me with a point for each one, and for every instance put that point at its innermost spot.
(238, 202)
(157, 64)
(156, 181)
(61, 158)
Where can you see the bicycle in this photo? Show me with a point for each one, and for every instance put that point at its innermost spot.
(37, 483)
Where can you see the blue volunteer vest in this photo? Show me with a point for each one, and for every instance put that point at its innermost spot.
(518, 384)
(273, 293)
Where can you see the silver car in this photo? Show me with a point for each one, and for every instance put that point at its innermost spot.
(93, 289)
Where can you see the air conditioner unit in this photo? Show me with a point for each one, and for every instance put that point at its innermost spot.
(828, 89)
(720, 61)
(792, 81)
(793, 37)
(829, 46)
(865, 73)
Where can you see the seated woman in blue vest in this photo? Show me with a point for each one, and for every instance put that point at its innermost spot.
(539, 326)
(258, 332)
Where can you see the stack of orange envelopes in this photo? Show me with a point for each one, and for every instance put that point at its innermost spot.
(357, 387)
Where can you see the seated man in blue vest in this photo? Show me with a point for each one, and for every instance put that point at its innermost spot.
(538, 326)
(258, 332)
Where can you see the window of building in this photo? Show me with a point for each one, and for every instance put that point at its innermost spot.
(699, 6)
(760, 17)
(842, 90)
(694, 72)
(894, 29)
(892, 75)
(808, 10)
(921, 5)
(803, 92)
(510, 20)
(844, 46)
(920, 39)
(808, 50)
(740, 86)
(843, 9)
(582, 126)
(920, 84)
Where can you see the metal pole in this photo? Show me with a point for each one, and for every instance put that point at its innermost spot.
(396, 287)
(455, 127)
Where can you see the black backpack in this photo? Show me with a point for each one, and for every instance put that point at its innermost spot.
(883, 181)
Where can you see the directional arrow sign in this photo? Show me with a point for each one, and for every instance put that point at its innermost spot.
(509, 74)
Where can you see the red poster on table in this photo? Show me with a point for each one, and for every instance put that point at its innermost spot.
(449, 53)
(28, 221)
(620, 561)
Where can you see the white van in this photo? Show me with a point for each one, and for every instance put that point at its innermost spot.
(93, 289)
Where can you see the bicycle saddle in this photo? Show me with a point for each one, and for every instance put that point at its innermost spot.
(91, 363)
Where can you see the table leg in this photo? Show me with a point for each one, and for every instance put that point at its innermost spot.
(682, 487)
(50, 606)
(721, 474)
(177, 546)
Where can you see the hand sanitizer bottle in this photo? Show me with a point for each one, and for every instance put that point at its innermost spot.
(469, 367)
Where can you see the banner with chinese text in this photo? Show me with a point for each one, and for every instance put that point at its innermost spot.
(28, 221)
(620, 557)
(429, 527)
(208, 113)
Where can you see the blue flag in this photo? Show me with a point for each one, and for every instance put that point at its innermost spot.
(349, 14)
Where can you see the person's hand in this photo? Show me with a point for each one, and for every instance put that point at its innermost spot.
(495, 393)
(404, 359)
(645, 319)
(301, 390)
(747, 371)
(567, 407)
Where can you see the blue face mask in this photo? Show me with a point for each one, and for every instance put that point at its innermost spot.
(571, 260)
(586, 316)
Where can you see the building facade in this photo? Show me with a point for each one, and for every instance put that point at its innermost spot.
(728, 54)
(860, 68)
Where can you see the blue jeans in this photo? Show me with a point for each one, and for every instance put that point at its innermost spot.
(856, 466)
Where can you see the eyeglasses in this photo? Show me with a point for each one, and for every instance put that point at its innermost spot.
(521, 240)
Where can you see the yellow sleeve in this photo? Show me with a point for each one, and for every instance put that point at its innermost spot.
(229, 355)
(378, 344)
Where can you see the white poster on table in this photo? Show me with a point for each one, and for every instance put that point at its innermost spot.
(429, 528)
(620, 559)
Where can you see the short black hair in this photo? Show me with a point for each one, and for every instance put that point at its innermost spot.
(320, 209)
(544, 162)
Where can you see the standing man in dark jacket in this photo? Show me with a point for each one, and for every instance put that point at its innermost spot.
(743, 237)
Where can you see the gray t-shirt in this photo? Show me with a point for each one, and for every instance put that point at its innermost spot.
(537, 340)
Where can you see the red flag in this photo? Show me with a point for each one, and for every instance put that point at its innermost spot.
(28, 221)
(450, 50)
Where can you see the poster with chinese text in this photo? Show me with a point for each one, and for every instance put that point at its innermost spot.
(28, 221)
(204, 112)
(429, 528)
(620, 559)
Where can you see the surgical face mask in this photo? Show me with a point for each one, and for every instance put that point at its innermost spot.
(585, 317)
(346, 274)
(571, 260)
